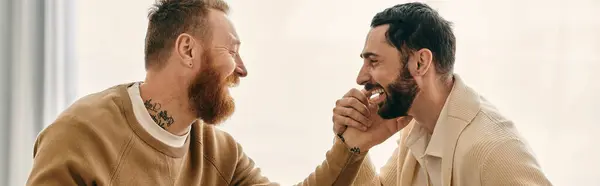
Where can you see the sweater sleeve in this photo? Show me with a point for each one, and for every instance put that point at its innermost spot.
(51, 164)
(368, 176)
(512, 163)
(339, 168)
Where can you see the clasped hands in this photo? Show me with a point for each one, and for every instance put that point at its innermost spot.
(355, 118)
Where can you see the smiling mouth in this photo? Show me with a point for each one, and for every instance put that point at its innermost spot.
(378, 95)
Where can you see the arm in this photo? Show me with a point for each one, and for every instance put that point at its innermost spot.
(512, 163)
(56, 157)
(339, 168)
(341, 165)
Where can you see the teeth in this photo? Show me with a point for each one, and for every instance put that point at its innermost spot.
(374, 96)
(376, 93)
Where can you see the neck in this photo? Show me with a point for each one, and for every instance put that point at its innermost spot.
(428, 105)
(167, 103)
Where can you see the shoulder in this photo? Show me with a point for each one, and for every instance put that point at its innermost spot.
(109, 102)
(87, 123)
(104, 112)
(490, 135)
(67, 132)
(488, 127)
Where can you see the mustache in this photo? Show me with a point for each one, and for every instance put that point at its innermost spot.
(371, 86)
(232, 81)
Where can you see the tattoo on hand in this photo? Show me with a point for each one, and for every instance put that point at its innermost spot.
(161, 117)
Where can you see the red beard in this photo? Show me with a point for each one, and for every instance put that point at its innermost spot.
(208, 95)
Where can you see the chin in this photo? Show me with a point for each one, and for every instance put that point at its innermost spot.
(388, 110)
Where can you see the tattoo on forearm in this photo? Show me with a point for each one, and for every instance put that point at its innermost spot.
(353, 149)
(161, 117)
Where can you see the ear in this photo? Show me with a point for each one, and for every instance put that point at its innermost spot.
(419, 62)
(186, 49)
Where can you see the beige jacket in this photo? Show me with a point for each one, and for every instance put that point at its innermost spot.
(476, 144)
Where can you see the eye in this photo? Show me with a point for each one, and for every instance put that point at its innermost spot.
(373, 62)
(233, 53)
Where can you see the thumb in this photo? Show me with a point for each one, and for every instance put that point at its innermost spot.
(373, 107)
(366, 93)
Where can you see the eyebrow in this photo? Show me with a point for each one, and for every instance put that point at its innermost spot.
(368, 54)
(235, 41)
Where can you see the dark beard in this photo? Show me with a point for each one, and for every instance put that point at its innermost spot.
(400, 96)
(207, 93)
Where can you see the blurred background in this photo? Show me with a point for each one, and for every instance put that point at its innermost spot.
(536, 60)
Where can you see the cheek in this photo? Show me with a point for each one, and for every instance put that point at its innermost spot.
(225, 65)
(384, 76)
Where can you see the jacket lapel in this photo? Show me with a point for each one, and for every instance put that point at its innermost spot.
(463, 105)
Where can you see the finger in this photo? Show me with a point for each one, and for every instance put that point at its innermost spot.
(339, 119)
(366, 93)
(360, 96)
(339, 128)
(351, 113)
(373, 108)
(356, 105)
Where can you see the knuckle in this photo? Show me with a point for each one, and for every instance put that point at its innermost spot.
(343, 102)
(364, 110)
(360, 120)
(348, 93)
(348, 112)
(355, 124)
(352, 92)
(348, 121)
(338, 111)
(335, 119)
(352, 114)
(364, 120)
(353, 100)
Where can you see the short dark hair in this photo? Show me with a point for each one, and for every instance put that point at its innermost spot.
(170, 18)
(414, 26)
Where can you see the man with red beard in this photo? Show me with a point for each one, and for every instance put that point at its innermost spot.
(452, 135)
(161, 131)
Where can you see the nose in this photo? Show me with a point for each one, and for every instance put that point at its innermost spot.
(240, 68)
(363, 75)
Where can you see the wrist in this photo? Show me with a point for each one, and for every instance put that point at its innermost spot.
(354, 143)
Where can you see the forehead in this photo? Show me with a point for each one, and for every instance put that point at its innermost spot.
(222, 28)
(376, 38)
(377, 44)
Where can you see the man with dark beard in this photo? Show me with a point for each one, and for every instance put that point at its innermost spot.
(161, 131)
(452, 135)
